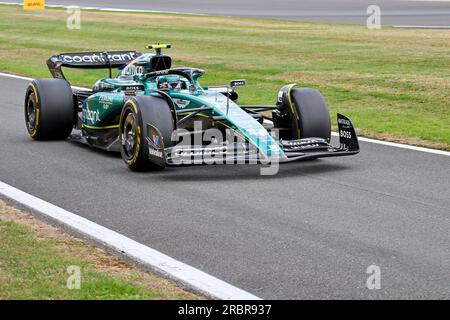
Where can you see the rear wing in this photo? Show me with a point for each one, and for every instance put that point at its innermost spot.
(89, 60)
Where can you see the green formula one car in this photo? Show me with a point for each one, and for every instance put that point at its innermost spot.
(155, 115)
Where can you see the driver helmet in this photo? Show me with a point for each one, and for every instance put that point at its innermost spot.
(169, 82)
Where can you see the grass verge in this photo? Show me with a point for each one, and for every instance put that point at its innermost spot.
(34, 261)
(393, 83)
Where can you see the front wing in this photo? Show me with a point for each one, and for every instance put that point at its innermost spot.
(246, 153)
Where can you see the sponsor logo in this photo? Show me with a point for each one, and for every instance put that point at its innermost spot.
(155, 143)
(92, 116)
(161, 72)
(345, 134)
(105, 101)
(156, 140)
(98, 57)
(134, 70)
(133, 88)
(33, 4)
(344, 122)
(303, 144)
(181, 103)
(155, 153)
(195, 152)
(237, 83)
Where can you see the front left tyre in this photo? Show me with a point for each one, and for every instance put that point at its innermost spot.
(146, 127)
(49, 109)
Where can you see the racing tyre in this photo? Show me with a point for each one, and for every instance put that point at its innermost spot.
(146, 126)
(313, 113)
(49, 109)
(303, 110)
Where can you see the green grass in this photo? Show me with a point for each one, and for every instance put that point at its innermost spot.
(394, 84)
(33, 266)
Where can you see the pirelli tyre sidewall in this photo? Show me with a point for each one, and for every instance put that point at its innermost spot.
(49, 109)
(146, 126)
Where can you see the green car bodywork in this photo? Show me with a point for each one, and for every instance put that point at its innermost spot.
(102, 109)
(149, 107)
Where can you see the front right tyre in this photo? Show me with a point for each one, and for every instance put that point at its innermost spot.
(303, 112)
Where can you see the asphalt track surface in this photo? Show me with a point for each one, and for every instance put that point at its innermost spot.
(309, 232)
(394, 12)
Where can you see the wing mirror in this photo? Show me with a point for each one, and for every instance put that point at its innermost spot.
(234, 84)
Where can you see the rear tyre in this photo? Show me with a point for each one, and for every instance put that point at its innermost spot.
(146, 126)
(49, 109)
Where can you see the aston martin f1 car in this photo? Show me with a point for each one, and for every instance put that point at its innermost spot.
(156, 115)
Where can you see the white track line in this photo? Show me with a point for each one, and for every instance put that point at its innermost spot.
(176, 270)
(15, 76)
(426, 0)
(108, 9)
(400, 145)
(8, 75)
(385, 143)
(421, 27)
(203, 14)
